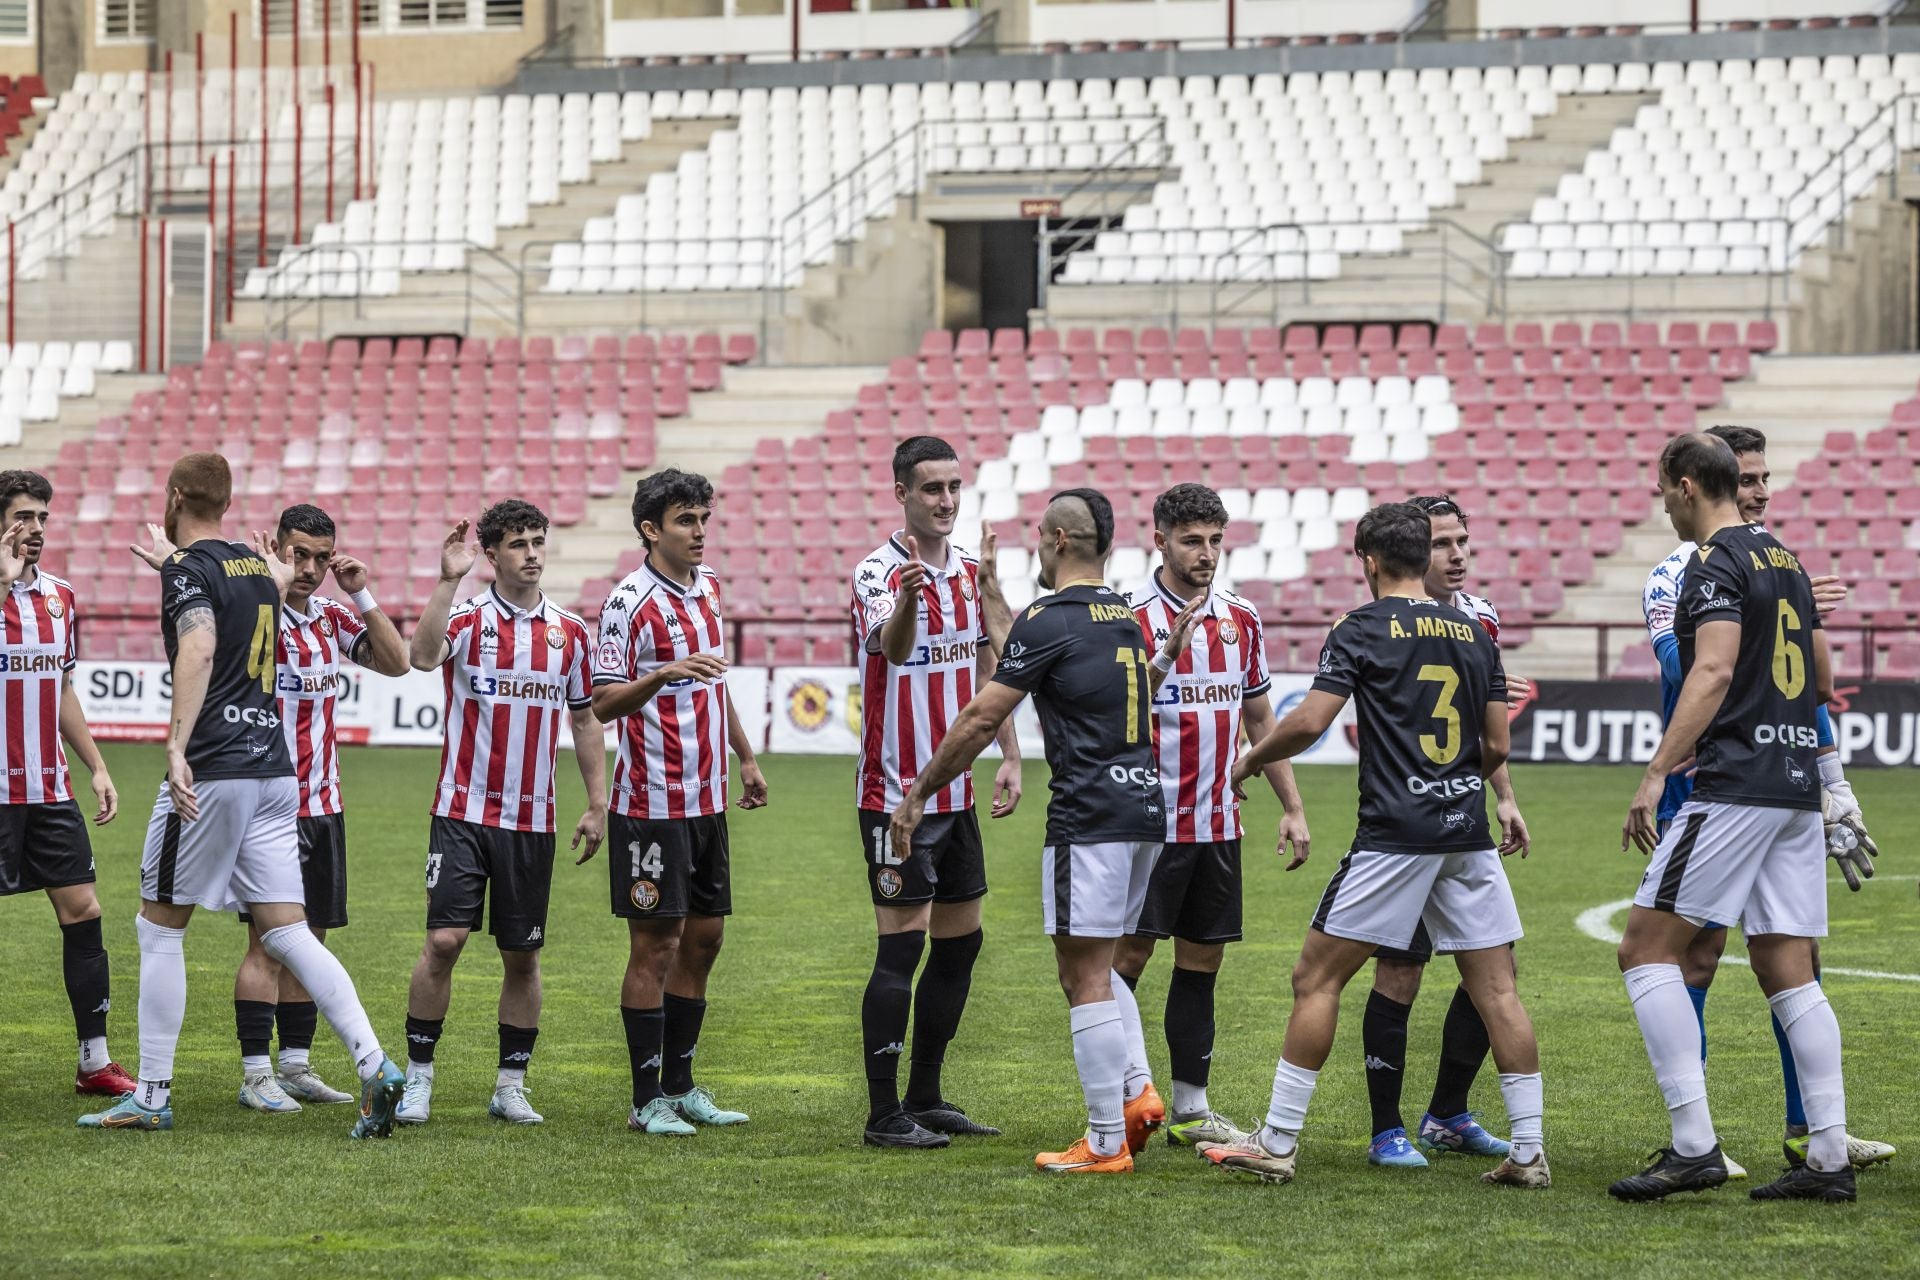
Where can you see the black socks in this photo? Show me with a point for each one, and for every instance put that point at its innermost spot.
(422, 1035)
(1189, 1024)
(938, 1001)
(680, 1036)
(516, 1046)
(645, 1028)
(1463, 1048)
(1383, 1038)
(297, 1021)
(253, 1019)
(883, 1016)
(83, 962)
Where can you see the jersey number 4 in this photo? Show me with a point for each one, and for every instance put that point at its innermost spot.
(260, 661)
(1441, 748)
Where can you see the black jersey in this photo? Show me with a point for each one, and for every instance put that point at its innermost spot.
(238, 734)
(1078, 652)
(1761, 745)
(1420, 675)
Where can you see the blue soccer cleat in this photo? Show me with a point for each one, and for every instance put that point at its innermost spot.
(379, 1099)
(128, 1114)
(1392, 1150)
(1462, 1135)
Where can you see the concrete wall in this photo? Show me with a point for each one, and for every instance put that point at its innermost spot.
(885, 287)
(1857, 294)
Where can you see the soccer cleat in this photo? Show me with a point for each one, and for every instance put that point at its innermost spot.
(658, 1116)
(1861, 1152)
(1251, 1158)
(1461, 1134)
(416, 1103)
(1804, 1182)
(260, 1092)
(696, 1106)
(897, 1128)
(1204, 1126)
(380, 1098)
(1145, 1113)
(1736, 1172)
(1391, 1150)
(1081, 1158)
(510, 1104)
(1511, 1173)
(128, 1114)
(1669, 1171)
(303, 1084)
(110, 1081)
(945, 1117)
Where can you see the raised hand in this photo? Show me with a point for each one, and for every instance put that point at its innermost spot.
(350, 574)
(913, 574)
(457, 554)
(1829, 592)
(1182, 632)
(13, 554)
(156, 555)
(989, 546)
(281, 570)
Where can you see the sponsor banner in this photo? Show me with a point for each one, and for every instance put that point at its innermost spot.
(1618, 722)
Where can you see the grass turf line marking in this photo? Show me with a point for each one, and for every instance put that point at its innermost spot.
(1597, 923)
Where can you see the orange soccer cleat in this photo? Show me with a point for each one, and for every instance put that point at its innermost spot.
(1145, 1113)
(109, 1081)
(1080, 1158)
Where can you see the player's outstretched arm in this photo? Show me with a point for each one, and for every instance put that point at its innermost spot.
(428, 648)
(79, 740)
(386, 651)
(1257, 713)
(966, 738)
(590, 753)
(192, 669)
(1007, 778)
(1715, 647)
(995, 617)
(753, 783)
(1300, 729)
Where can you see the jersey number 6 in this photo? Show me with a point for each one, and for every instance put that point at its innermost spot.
(1789, 659)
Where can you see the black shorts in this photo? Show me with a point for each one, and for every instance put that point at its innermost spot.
(43, 846)
(948, 863)
(323, 870)
(1418, 951)
(1194, 893)
(669, 868)
(463, 858)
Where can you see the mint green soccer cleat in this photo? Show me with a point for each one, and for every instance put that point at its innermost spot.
(658, 1116)
(379, 1098)
(696, 1105)
(128, 1114)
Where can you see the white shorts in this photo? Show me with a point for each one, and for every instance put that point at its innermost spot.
(1764, 869)
(1095, 890)
(1382, 898)
(244, 848)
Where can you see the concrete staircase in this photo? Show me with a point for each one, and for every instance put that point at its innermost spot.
(720, 429)
(1795, 400)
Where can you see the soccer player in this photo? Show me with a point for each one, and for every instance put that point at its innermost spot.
(1747, 846)
(1447, 1125)
(224, 832)
(1219, 680)
(661, 674)
(513, 663)
(43, 842)
(314, 634)
(929, 619)
(1430, 698)
(1847, 839)
(1078, 651)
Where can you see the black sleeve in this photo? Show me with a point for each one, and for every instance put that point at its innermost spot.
(1497, 686)
(1341, 658)
(182, 587)
(1038, 640)
(1715, 588)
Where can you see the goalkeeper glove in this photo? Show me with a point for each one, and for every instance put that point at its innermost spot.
(1849, 845)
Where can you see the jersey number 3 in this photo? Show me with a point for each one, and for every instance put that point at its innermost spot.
(1441, 748)
(260, 662)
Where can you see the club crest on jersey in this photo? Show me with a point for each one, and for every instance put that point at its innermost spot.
(1229, 634)
(324, 625)
(888, 881)
(55, 608)
(966, 587)
(555, 640)
(644, 895)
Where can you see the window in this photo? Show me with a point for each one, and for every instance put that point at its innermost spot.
(16, 21)
(506, 13)
(126, 20)
(418, 14)
(434, 15)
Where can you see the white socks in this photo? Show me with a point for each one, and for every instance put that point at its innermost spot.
(1100, 1056)
(1287, 1113)
(419, 1069)
(1526, 1109)
(1139, 1073)
(93, 1054)
(1813, 1033)
(255, 1065)
(163, 1007)
(510, 1076)
(1189, 1099)
(328, 985)
(1672, 1034)
(292, 1060)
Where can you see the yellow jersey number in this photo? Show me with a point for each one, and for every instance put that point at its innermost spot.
(1789, 658)
(1441, 748)
(260, 657)
(1135, 661)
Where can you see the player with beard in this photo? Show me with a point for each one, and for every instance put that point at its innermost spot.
(43, 839)
(315, 634)
(1845, 827)
(1219, 681)
(1447, 1125)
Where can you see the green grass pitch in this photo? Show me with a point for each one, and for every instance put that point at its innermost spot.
(231, 1193)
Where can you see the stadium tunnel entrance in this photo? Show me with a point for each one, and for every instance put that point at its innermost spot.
(989, 274)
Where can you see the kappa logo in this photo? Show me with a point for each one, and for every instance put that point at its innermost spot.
(535, 934)
(106, 1006)
(1379, 1064)
(520, 1057)
(895, 1050)
(651, 1064)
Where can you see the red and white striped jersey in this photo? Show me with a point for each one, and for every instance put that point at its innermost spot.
(1197, 709)
(511, 676)
(1481, 611)
(673, 751)
(311, 646)
(905, 710)
(39, 644)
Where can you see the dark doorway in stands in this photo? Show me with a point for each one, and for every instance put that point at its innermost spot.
(991, 274)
